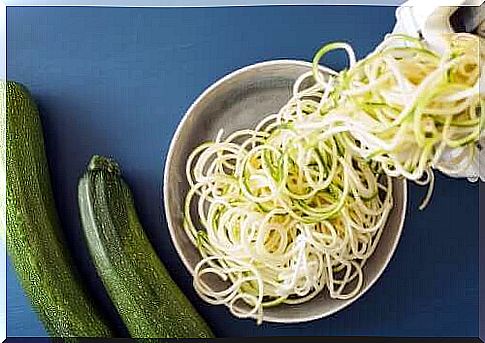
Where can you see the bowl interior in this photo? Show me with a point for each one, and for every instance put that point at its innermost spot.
(240, 100)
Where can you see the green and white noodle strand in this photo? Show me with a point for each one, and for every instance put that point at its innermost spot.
(405, 105)
(284, 215)
(296, 206)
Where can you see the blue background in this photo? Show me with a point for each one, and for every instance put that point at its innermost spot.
(117, 81)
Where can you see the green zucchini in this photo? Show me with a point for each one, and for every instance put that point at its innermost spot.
(145, 296)
(34, 238)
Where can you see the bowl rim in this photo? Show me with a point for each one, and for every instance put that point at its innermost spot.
(402, 183)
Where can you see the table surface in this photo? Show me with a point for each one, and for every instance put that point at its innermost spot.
(117, 81)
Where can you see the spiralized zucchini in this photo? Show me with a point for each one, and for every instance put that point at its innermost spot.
(409, 108)
(297, 205)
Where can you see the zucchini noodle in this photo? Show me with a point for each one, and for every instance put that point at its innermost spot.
(298, 204)
(406, 106)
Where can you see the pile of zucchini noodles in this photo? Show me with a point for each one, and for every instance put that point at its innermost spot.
(298, 204)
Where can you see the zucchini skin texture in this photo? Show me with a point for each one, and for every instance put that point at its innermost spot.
(34, 237)
(147, 299)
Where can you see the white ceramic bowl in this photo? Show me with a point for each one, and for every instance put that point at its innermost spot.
(240, 100)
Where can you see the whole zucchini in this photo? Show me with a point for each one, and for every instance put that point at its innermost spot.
(147, 299)
(34, 238)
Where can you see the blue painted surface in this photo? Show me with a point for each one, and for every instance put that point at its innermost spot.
(116, 81)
